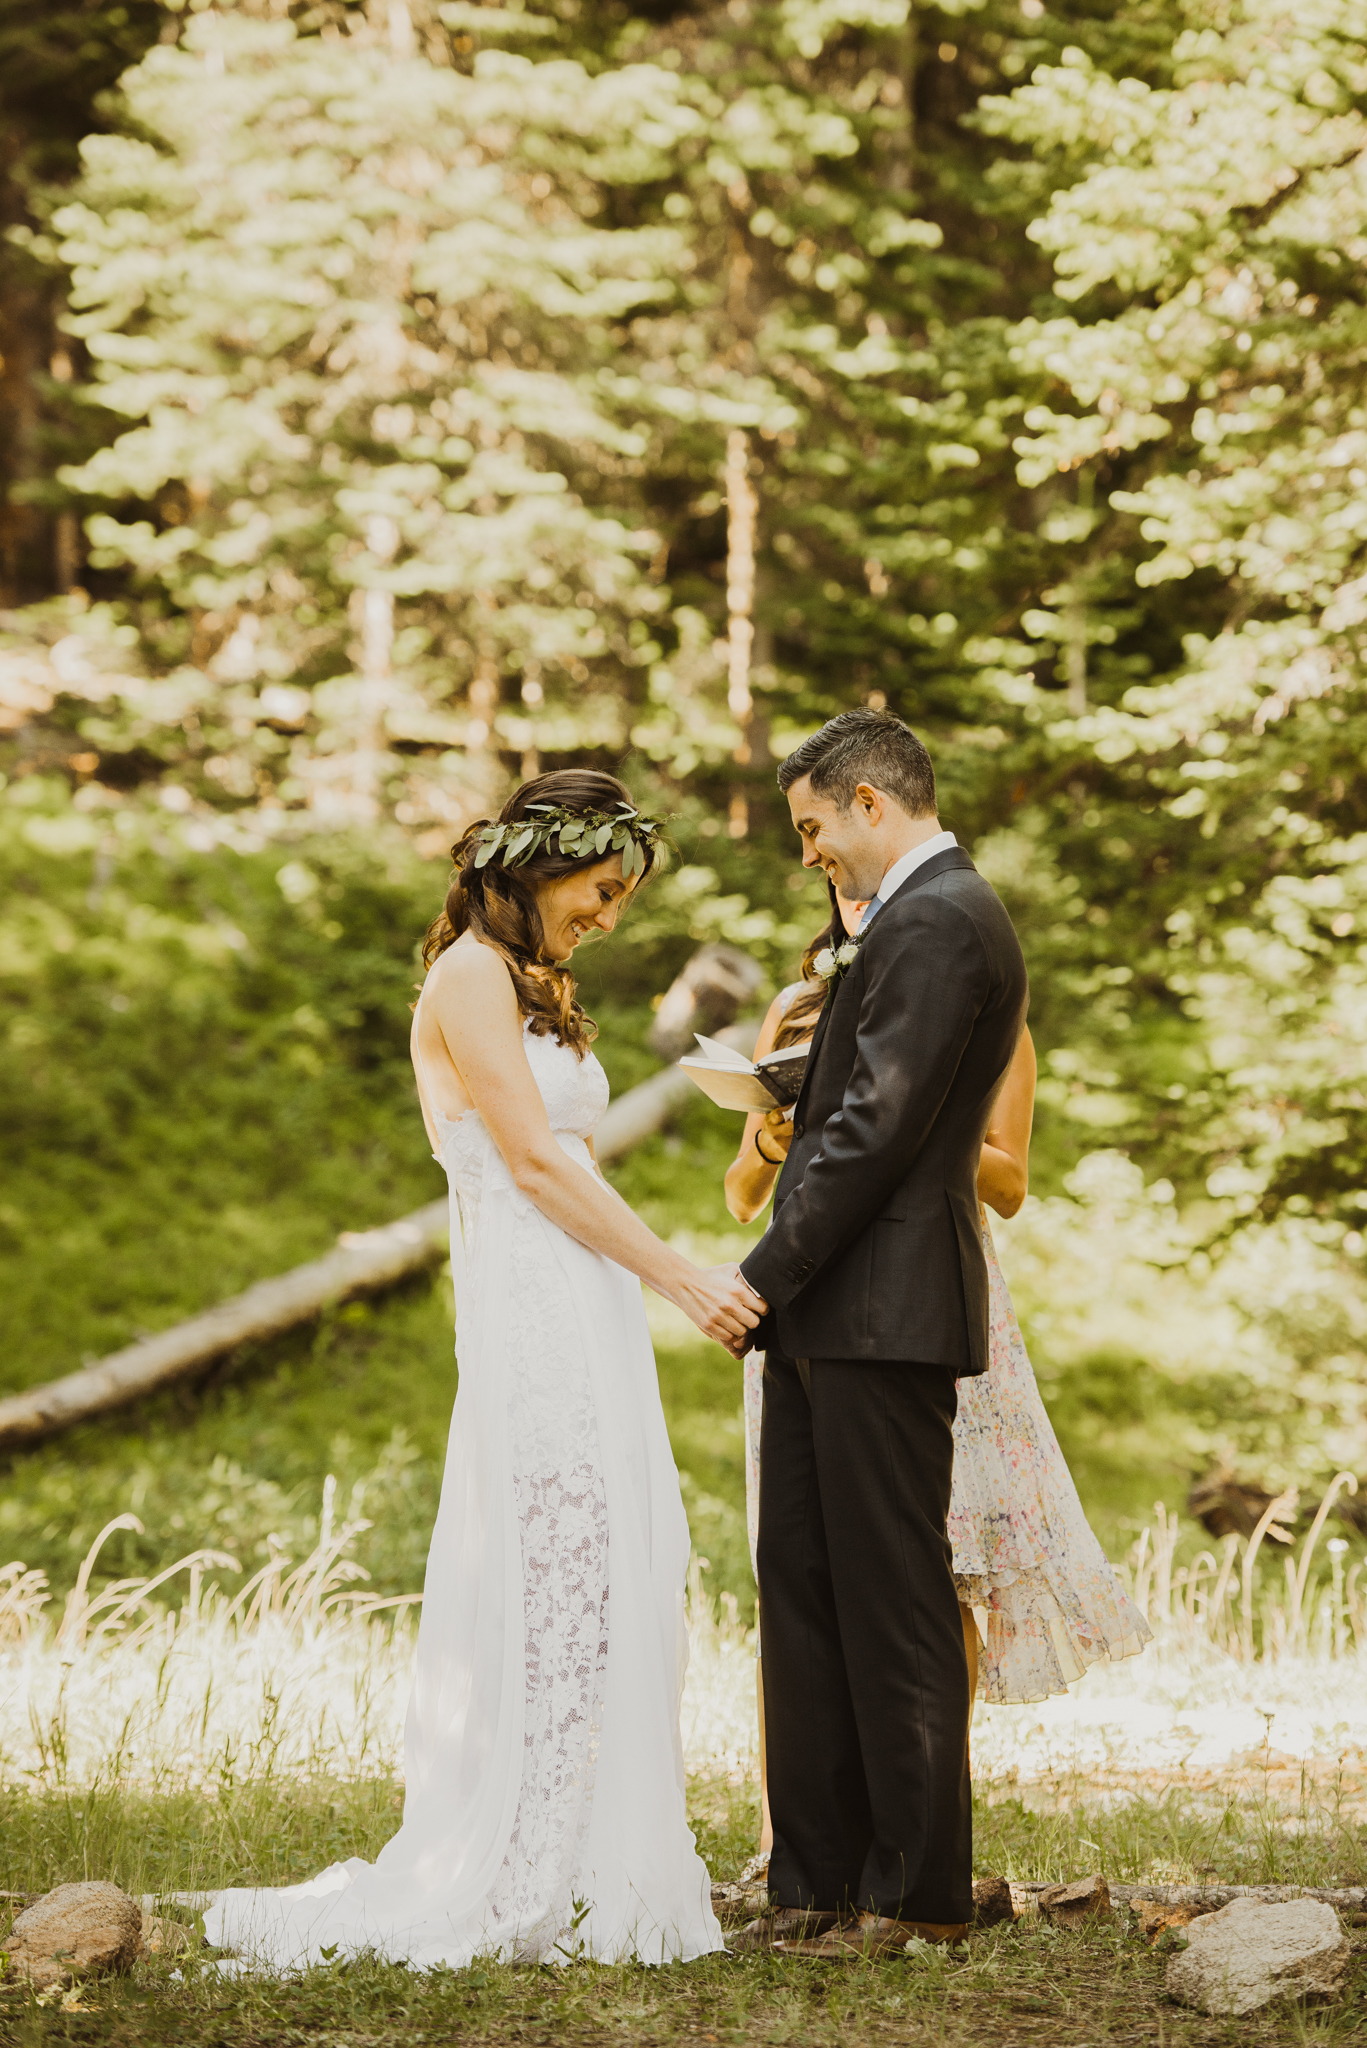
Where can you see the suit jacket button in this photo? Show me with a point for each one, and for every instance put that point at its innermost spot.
(797, 1130)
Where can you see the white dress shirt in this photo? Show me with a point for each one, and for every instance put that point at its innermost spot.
(901, 870)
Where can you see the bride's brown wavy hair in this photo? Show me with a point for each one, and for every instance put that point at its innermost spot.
(498, 904)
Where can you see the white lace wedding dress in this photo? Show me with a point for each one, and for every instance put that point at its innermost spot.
(544, 1803)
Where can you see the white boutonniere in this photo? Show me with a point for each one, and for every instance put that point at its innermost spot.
(832, 963)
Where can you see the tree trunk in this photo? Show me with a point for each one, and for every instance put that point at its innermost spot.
(741, 507)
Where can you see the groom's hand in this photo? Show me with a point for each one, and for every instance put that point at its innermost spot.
(725, 1307)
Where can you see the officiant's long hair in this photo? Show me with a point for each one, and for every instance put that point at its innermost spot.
(498, 904)
(799, 1019)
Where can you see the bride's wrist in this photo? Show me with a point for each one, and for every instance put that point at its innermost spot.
(679, 1282)
(689, 1285)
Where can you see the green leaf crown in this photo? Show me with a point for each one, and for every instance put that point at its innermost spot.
(579, 835)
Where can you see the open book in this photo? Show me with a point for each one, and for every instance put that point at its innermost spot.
(734, 1082)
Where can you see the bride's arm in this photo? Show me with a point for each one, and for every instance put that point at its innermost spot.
(477, 1013)
(1004, 1175)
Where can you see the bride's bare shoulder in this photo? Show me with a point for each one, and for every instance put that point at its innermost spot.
(471, 973)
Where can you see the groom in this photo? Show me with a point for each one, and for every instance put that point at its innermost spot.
(874, 1272)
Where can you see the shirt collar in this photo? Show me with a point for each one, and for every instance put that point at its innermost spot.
(901, 870)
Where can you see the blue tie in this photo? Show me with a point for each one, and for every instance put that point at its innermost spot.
(871, 910)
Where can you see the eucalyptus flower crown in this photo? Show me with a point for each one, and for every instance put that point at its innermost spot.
(581, 835)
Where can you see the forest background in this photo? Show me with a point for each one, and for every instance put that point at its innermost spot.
(386, 390)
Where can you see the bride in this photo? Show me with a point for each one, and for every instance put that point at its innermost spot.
(544, 1784)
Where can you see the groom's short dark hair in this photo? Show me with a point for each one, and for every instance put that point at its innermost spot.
(864, 746)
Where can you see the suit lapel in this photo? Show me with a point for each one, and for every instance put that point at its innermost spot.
(952, 857)
(812, 1051)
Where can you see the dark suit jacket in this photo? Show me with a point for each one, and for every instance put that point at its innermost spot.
(875, 1248)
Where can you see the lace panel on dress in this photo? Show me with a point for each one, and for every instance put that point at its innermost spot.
(563, 1527)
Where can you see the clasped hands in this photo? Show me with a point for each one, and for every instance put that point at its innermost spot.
(723, 1304)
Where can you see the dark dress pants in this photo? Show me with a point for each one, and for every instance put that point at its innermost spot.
(866, 1705)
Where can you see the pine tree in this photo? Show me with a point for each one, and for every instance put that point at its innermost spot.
(841, 312)
(442, 357)
(57, 63)
(350, 309)
(1204, 398)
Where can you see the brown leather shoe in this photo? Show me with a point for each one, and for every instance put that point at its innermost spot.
(778, 1925)
(870, 1935)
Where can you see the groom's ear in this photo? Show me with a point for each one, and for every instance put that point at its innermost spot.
(872, 802)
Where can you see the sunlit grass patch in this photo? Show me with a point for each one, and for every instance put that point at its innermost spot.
(205, 1673)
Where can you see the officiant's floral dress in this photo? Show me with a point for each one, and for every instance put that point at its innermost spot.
(1025, 1557)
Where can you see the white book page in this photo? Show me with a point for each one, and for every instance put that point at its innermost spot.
(719, 1055)
(729, 1087)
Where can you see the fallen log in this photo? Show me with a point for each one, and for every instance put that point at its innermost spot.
(713, 988)
(363, 1262)
(745, 1897)
(1347, 1898)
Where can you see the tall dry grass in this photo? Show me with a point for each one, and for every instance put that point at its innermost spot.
(303, 1671)
(1253, 1685)
(1224, 1602)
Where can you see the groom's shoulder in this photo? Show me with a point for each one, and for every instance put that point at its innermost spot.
(952, 890)
(954, 896)
(962, 885)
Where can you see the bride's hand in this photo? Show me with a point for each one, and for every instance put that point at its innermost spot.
(722, 1304)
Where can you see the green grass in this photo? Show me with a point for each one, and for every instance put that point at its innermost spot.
(207, 1078)
(277, 1829)
(1031, 1984)
(1076, 1988)
(366, 1394)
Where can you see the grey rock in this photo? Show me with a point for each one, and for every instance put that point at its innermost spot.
(73, 1930)
(1249, 1954)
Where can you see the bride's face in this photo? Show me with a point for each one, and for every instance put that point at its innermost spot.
(571, 905)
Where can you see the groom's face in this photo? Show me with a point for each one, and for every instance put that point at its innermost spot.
(845, 845)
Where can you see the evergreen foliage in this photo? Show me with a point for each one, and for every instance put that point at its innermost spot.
(1205, 392)
(409, 343)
